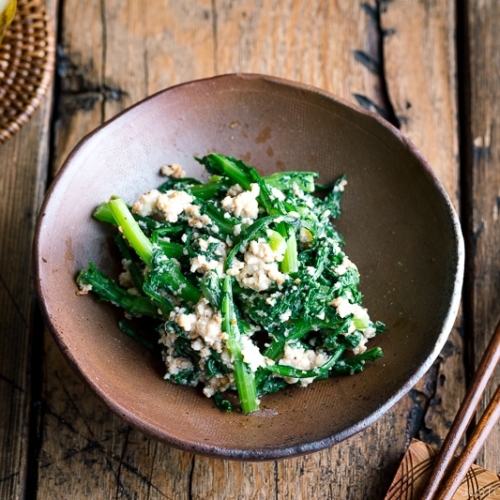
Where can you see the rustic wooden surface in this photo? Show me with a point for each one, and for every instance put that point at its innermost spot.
(430, 67)
(483, 175)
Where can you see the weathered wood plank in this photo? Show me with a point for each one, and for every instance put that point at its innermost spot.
(421, 75)
(23, 175)
(421, 79)
(22, 185)
(20, 194)
(79, 69)
(483, 155)
(125, 53)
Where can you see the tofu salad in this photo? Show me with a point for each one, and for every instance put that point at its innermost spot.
(240, 283)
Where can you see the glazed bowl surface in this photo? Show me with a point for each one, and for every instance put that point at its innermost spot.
(398, 223)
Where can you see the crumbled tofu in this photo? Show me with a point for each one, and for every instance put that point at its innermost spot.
(264, 252)
(204, 243)
(251, 354)
(237, 230)
(177, 364)
(218, 383)
(204, 323)
(173, 170)
(146, 205)
(234, 190)
(195, 218)
(361, 347)
(368, 333)
(173, 203)
(274, 274)
(221, 247)
(236, 267)
(204, 327)
(84, 289)
(310, 270)
(273, 298)
(277, 194)
(303, 359)
(125, 278)
(187, 322)
(198, 345)
(344, 266)
(225, 357)
(341, 185)
(260, 268)
(345, 308)
(202, 265)
(244, 204)
(254, 278)
(286, 315)
(297, 191)
(170, 205)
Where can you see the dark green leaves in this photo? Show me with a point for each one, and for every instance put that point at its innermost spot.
(242, 291)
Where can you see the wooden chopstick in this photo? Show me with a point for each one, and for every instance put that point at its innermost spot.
(436, 488)
(469, 453)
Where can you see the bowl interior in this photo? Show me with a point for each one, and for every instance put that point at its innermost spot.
(398, 224)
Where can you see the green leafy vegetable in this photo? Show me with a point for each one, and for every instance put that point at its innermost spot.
(241, 280)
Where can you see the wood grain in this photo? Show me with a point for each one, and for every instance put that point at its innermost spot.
(123, 51)
(481, 134)
(21, 191)
(23, 175)
(421, 74)
(443, 468)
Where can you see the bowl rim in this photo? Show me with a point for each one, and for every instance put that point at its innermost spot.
(286, 451)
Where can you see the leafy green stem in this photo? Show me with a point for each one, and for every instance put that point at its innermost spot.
(108, 290)
(290, 371)
(244, 377)
(130, 228)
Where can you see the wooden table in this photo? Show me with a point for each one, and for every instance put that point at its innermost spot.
(431, 67)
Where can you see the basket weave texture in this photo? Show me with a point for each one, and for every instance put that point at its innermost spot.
(27, 60)
(415, 469)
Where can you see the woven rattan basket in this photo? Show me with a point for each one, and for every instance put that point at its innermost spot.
(27, 59)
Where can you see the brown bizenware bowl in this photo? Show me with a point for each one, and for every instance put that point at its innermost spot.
(399, 226)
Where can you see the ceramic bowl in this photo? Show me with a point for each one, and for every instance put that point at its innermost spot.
(398, 223)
